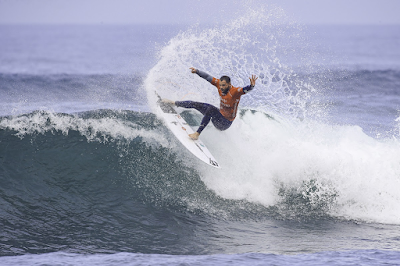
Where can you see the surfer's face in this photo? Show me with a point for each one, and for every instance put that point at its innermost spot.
(225, 86)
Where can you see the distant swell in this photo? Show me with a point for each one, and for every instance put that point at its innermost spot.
(24, 93)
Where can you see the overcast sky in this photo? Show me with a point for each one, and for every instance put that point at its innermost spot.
(192, 11)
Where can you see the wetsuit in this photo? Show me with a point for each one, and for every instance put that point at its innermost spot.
(223, 117)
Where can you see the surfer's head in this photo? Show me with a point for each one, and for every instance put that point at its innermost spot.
(225, 84)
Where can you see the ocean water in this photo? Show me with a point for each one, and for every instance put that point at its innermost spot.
(89, 175)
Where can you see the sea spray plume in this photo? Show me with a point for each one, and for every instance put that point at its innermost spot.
(247, 45)
(244, 46)
(262, 154)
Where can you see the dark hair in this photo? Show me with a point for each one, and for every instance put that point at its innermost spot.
(226, 78)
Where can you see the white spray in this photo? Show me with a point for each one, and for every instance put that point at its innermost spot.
(262, 158)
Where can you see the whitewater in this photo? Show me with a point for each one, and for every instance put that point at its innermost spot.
(285, 144)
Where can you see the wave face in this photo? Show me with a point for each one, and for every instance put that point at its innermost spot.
(73, 181)
(65, 177)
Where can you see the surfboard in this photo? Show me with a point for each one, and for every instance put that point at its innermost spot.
(181, 129)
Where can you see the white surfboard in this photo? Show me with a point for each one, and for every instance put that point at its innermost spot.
(181, 130)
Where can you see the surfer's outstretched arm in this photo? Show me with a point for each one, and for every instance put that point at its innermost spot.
(252, 84)
(202, 74)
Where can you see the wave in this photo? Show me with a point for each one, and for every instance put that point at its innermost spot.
(270, 169)
(133, 146)
(69, 180)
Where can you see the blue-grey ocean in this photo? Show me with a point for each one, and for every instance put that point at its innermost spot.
(90, 175)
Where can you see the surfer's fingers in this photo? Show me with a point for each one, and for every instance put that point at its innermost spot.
(253, 79)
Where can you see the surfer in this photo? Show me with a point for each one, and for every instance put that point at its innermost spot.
(223, 117)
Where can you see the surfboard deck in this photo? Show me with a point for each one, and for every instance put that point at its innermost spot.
(181, 129)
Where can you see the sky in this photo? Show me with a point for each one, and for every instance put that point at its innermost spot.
(193, 11)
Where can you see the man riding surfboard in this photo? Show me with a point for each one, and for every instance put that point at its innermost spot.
(223, 117)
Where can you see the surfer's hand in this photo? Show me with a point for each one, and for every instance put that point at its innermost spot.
(193, 70)
(253, 80)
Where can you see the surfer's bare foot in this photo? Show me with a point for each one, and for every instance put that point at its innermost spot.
(168, 101)
(194, 135)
